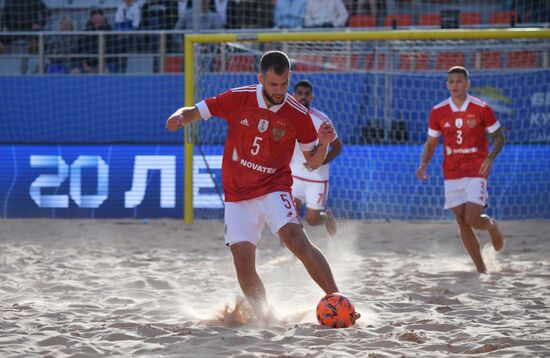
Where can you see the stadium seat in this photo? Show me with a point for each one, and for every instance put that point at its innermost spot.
(446, 60)
(142, 65)
(241, 63)
(414, 61)
(10, 65)
(380, 62)
(470, 18)
(488, 59)
(502, 17)
(429, 19)
(522, 59)
(343, 63)
(173, 64)
(400, 19)
(309, 63)
(362, 21)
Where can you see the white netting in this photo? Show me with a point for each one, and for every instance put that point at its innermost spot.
(379, 95)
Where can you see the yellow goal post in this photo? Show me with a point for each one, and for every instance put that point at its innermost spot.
(192, 40)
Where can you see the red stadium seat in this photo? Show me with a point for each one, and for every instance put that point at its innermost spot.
(489, 59)
(241, 63)
(502, 17)
(446, 60)
(379, 61)
(400, 19)
(362, 21)
(414, 61)
(470, 18)
(522, 59)
(343, 63)
(173, 64)
(309, 63)
(429, 19)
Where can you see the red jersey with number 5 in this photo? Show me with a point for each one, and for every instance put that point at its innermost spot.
(464, 135)
(260, 141)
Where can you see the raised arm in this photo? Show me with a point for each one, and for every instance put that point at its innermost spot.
(334, 151)
(182, 117)
(498, 144)
(316, 157)
(427, 155)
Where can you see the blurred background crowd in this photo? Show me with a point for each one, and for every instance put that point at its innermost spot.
(122, 17)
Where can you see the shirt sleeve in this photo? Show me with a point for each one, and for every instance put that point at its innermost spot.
(433, 128)
(307, 135)
(490, 120)
(220, 106)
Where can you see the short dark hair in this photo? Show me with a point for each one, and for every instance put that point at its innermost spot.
(303, 83)
(459, 69)
(277, 61)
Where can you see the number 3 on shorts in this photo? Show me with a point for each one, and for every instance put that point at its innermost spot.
(286, 200)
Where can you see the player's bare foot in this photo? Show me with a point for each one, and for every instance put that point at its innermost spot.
(496, 236)
(330, 222)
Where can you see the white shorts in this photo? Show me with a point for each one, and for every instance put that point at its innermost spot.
(463, 190)
(245, 220)
(312, 193)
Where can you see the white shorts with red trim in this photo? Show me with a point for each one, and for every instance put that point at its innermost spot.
(312, 193)
(463, 190)
(245, 220)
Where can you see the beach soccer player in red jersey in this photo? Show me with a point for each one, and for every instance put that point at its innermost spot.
(463, 121)
(264, 123)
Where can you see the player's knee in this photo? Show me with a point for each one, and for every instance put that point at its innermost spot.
(293, 237)
(312, 220)
(474, 221)
(461, 220)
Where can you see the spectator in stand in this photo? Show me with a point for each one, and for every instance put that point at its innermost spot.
(249, 14)
(326, 13)
(127, 16)
(209, 20)
(289, 14)
(90, 44)
(63, 45)
(159, 15)
(221, 9)
(24, 15)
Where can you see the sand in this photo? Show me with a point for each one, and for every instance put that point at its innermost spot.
(102, 288)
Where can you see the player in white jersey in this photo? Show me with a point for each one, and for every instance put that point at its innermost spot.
(310, 186)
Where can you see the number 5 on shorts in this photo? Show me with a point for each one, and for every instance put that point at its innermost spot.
(287, 202)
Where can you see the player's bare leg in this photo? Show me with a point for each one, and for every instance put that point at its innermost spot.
(479, 221)
(295, 238)
(318, 217)
(244, 258)
(469, 238)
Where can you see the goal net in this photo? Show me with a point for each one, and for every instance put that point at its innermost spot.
(379, 94)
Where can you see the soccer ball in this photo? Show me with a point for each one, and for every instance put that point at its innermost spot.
(336, 311)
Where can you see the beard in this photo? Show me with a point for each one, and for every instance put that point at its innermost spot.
(271, 99)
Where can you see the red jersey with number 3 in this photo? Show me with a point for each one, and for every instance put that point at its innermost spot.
(260, 141)
(464, 135)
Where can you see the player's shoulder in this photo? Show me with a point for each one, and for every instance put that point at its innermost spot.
(244, 91)
(446, 103)
(478, 102)
(314, 112)
(295, 107)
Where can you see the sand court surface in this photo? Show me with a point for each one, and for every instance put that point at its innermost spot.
(155, 288)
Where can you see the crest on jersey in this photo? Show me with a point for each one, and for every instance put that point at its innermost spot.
(278, 133)
(262, 125)
(471, 122)
(458, 123)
